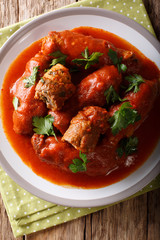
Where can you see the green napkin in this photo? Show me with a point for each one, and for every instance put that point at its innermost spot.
(26, 212)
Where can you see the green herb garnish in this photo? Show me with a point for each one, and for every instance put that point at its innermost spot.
(134, 82)
(59, 58)
(127, 146)
(44, 125)
(31, 80)
(15, 103)
(87, 59)
(123, 117)
(79, 165)
(117, 61)
(112, 96)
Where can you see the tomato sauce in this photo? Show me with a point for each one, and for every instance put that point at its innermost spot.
(148, 134)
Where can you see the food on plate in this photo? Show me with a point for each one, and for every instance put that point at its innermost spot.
(55, 87)
(80, 106)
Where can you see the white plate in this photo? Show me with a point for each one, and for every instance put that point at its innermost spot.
(68, 19)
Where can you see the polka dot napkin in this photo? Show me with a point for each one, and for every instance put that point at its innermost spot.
(26, 212)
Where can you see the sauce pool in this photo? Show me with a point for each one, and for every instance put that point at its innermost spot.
(148, 134)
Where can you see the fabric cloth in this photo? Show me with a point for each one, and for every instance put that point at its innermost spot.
(26, 212)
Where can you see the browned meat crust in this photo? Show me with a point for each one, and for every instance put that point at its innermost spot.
(85, 128)
(55, 87)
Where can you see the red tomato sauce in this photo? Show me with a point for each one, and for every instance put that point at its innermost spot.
(148, 134)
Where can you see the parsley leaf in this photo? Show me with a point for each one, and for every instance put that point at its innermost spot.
(134, 82)
(15, 103)
(44, 125)
(127, 146)
(123, 117)
(112, 96)
(117, 61)
(79, 165)
(31, 80)
(87, 59)
(59, 58)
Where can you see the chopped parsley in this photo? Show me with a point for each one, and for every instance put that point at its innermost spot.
(134, 81)
(79, 165)
(87, 59)
(44, 125)
(31, 80)
(59, 58)
(117, 61)
(123, 117)
(127, 146)
(15, 103)
(112, 96)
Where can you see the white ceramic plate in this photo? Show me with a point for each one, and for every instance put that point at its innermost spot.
(68, 19)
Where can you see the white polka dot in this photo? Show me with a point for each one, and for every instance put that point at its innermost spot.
(131, 7)
(37, 224)
(17, 230)
(37, 213)
(38, 201)
(141, 4)
(58, 217)
(14, 216)
(89, 208)
(47, 221)
(65, 207)
(107, 3)
(144, 15)
(27, 227)
(97, 6)
(7, 193)
(141, 21)
(17, 190)
(14, 197)
(121, 10)
(45, 206)
(48, 209)
(10, 185)
(124, 4)
(44, 228)
(135, 18)
(35, 209)
(134, 0)
(148, 26)
(28, 216)
(55, 212)
(6, 174)
(18, 208)
(137, 11)
(24, 193)
(34, 230)
(31, 197)
(127, 14)
(11, 204)
(21, 201)
(114, 6)
(68, 214)
(28, 205)
(0, 33)
(79, 211)
(90, 2)
(25, 213)
(10, 30)
(3, 181)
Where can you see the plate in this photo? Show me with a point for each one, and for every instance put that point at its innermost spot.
(67, 19)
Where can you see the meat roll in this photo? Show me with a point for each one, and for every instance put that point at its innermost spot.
(55, 87)
(85, 128)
